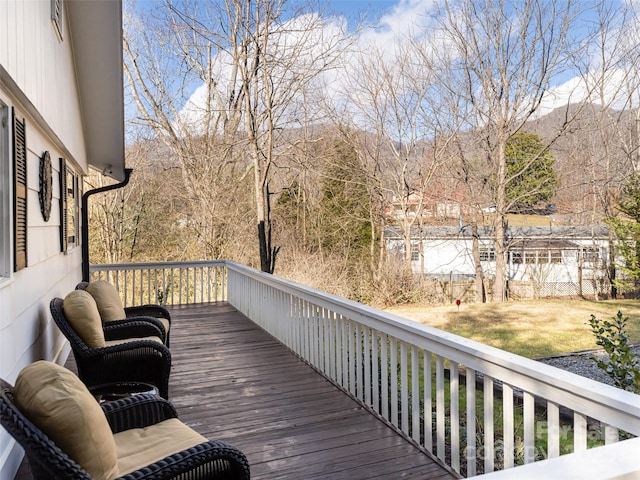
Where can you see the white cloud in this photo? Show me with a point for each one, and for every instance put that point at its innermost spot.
(406, 18)
(615, 91)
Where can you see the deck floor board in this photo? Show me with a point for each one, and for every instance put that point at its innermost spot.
(232, 381)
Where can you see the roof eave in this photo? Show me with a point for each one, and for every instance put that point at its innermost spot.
(96, 37)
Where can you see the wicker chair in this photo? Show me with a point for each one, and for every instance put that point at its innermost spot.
(208, 460)
(156, 314)
(136, 360)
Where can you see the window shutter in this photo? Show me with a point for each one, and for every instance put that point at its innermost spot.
(63, 205)
(20, 193)
(78, 192)
(56, 16)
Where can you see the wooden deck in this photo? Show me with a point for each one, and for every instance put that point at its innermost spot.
(232, 381)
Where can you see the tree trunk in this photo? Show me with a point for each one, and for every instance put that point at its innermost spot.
(481, 296)
(267, 252)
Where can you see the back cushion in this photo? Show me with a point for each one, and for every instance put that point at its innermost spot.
(83, 316)
(58, 403)
(108, 300)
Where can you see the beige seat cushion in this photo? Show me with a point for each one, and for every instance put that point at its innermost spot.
(165, 323)
(139, 447)
(109, 343)
(108, 300)
(57, 402)
(82, 313)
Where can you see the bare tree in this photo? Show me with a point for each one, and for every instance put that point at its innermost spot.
(606, 152)
(390, 95)
(253, 59)
(500, 58)
(163, 63)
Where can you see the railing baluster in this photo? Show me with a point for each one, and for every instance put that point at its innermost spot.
(440, 408)
(172, 287)
(148, 286)
(332, 344)
(222, 286)
(344, 346)
(375, 369)
(215, 285)
(126, 288)
(339, 350)
(428, 401)
(201, 286)
(393, 367)
(579, 432)
(367, 366)
(454, 416)
(359, 366)
(553, 430)
(508, 426)
(470, 384)
(133, 286)
(313, 335)
(415, 394)
(611, 435)
(404, 388)
(307, 330)
(528, 407)
(384, 367)
(489, 438)
(352, 358)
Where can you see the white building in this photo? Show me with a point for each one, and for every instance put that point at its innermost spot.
(553, 257)
(61, 112)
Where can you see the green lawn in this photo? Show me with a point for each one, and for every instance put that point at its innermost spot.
(534, 328)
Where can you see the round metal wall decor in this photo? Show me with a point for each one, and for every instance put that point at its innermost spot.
(46, 184)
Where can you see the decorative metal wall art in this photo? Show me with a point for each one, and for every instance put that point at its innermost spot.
(46, 184)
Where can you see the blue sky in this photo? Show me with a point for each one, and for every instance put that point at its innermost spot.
(393, 18)
(374, 7)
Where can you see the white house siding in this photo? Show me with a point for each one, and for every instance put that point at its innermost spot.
(448, 253)
(42, 67)
(35, 65)
(444, 258)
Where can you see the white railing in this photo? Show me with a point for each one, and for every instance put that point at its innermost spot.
(166, 283)
(486, 409)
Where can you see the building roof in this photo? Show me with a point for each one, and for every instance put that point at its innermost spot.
(96, 37)
(513, 233)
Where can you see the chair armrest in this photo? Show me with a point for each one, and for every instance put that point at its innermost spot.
(146, 361)
(157, 311)
(140, 327)
(217, 460)
(137, 411)
(134, 344)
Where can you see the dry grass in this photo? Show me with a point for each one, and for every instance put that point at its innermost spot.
(534, 328)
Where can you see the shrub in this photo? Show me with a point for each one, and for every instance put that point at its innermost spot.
(621, 363)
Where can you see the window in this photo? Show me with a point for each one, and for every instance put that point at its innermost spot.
(543, 256)
(556, 256)
(537, 257)
(19, 193)
(516, 257)
(415, 252)
(70, 207)
(487, 254)
(591, 254)
(5, 194)
(57, 9)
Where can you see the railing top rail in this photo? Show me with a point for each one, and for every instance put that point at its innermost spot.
(155, 265)
(557, 385)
